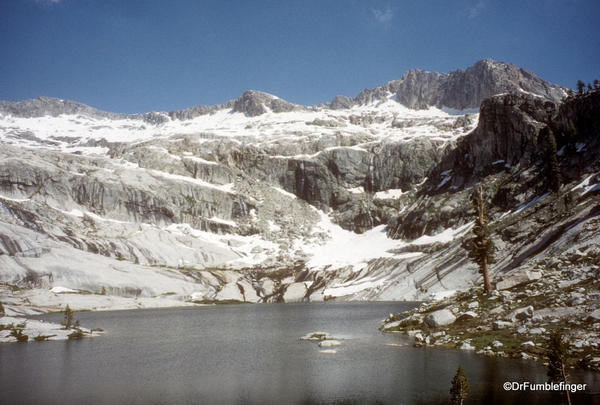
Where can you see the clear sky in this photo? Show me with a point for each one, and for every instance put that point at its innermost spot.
(142, 55)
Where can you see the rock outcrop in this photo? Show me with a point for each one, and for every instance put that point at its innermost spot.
(462, 89)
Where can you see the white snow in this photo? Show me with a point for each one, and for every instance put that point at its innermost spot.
(200, 160)
(223, 221)
(447, 235)
(440, 295)
(352, 287)
(70, 133)
(282, 191)
(388, 194)
(444, 181)
(356, 190)
(530, 203)
(226, 188)
(587, 187)
(348, 248)
(63, 290)
(14, 199)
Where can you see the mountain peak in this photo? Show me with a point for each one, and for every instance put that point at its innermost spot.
(255, 102)
(462, 88)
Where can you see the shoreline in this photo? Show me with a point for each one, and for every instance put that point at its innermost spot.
(514, 322)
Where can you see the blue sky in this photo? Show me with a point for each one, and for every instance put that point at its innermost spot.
(142, 55)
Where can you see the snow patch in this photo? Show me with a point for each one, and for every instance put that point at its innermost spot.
(388, 194)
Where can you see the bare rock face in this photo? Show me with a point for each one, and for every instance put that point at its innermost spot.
(486, 78)
(419, 89)
(340, 102)
(40, 106)
(462, 89)
(507, 134)
(254, 103)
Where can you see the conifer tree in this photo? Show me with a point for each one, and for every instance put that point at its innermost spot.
(460, 388)
(580, 86)
(557, 352)
(589, 86)
(482, 246)
(596, 84)
(68, 317)
(552, 169)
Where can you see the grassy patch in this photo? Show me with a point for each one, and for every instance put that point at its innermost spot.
(511, 343)
(76, 334)
(41, 338)
(220, 302)
(18, 334)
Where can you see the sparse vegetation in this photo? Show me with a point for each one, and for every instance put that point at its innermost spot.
(482, 246)
(41, 338)
(68, 321)
(18, 334)
(460, 387)
(76, 334)
(551, 167)
(219, 302)
(557, 353)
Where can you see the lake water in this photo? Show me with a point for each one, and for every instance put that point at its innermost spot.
(251, 354)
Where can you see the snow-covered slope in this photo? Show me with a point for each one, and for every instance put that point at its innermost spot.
(254, 200)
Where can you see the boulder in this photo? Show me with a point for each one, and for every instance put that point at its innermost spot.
(316, 336)
(466, 346)
(467, 315)
(576, 301)
(230, 291)
(295, 292)
(440, 318)
(521, 314)
(497, 325)
(329, 343)
(594, 316)
(473, 305)
(529, 343)
(391, 325)
(519, 278)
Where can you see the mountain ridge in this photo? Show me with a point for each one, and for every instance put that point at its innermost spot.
(416, 89)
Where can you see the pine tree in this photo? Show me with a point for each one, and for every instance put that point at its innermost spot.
(68, 317)
(552, 169)
(590, 89)
(557, 352)
(460, 388)
(580, 86)
(596, 84)
(482, 246)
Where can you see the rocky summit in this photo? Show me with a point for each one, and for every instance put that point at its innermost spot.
(263, 200)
